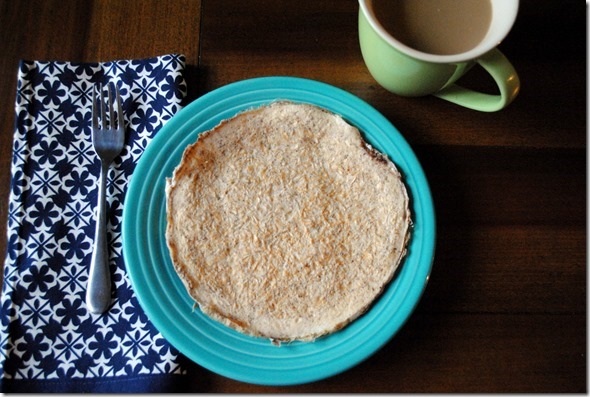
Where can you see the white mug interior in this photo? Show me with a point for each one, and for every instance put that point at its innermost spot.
(503, 16)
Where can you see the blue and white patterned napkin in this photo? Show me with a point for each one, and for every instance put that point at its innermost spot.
(48, 339)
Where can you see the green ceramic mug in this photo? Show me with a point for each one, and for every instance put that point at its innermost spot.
(408, 72)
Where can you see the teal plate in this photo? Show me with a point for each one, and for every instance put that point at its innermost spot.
(214, 346)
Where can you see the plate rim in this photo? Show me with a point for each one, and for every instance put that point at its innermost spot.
(247, 87)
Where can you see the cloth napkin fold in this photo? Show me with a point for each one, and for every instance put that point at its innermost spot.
(48, 339)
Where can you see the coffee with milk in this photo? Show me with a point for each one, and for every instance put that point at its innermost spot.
(440, 27)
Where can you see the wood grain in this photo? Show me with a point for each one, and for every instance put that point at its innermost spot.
(456, 352)
(505, 307)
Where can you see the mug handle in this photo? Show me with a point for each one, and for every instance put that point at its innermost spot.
(503, 73)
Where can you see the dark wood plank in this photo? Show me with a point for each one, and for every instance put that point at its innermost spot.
(506, 186)
(505, 307)
(511, 229)
(453, 353)
(509, 188)
(508, 269)
(319, 40)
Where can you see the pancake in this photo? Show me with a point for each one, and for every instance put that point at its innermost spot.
(283, 223)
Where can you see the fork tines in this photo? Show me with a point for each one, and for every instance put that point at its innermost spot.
(115, 123)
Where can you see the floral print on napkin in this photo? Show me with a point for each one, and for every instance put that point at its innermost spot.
(46, 332)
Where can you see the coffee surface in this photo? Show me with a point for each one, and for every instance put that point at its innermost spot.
(440, 27)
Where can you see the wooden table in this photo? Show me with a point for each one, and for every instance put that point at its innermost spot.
(505, 309)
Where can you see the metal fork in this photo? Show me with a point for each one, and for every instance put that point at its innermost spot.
(108, 142)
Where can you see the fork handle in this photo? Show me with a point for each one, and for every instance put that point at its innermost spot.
(98, 292)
